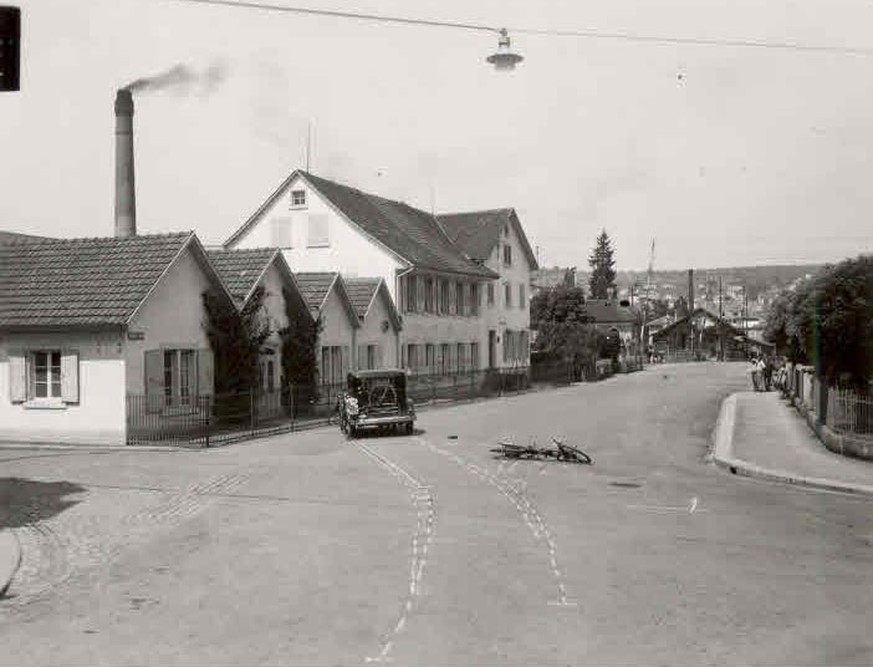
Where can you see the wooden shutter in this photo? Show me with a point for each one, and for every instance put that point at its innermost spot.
(17, 377)
(205, 373)
(452, 298)
(362, 357)
(379, 356)
(70, 377)
(419, 294)
(154, 379)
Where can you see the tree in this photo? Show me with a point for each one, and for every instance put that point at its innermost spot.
(602, 263)
(827, 321)
(299, 354)
(564, 331)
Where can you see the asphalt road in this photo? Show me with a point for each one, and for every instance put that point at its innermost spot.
(426, 550)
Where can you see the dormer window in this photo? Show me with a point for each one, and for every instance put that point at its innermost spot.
(298, 198)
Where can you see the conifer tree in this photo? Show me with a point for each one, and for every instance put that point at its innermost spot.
(602, 263)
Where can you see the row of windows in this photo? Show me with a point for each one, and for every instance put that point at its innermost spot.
(516, 346)
(441, 358)
(317, 231)
(424, 294)
(336, 361)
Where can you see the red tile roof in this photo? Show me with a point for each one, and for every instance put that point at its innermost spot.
(81, 282)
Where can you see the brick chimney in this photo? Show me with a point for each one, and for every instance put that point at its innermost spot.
(690, 290)
(125, 192)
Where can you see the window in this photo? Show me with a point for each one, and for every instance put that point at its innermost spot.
(474, 356)
(334, 363)
(298, 198)
(281, 232)
(44, 377)
(459, 298)
(419, 294)
(524, 351)
(462, 357)
(430, 357)
(510, 345)
(318, 231)
(507, 255)
(490, 295)
(179, 376)
(474, 299)
(445, 359)
(521, 296)
(369, 357)
(507, 295)
(444, 297)
(409, 294)
(429, 305)
(271, 376)
(412, 361)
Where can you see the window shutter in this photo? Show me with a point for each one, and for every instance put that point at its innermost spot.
(345, 362)
(17, 378)
(205, 373)
(281, 231)
(362, 357)
(452, 299)
(378, 356)
(70, 377)
(318, 231)
(154, 379)
(419, 295)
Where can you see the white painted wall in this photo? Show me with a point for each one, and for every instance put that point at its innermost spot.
(337, 328)
(171, 318)
(349, 252)
(98, 418)
(371, 332)
(498, 317)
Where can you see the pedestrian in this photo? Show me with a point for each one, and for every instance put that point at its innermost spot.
(768, 373)
(753, 373)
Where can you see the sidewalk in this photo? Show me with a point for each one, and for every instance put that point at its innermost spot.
(760, 435)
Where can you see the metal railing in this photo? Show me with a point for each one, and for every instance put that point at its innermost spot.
(204, 421)
(843, 410)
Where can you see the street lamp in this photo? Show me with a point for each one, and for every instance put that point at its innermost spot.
(505, 58)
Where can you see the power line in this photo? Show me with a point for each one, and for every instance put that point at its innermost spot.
(344, 15)
(584, 34)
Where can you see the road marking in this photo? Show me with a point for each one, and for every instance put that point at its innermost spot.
(691, 508)
(422, 499)
(514, 491)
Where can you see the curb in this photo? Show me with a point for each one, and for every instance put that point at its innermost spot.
(723, 455)
(10, 558)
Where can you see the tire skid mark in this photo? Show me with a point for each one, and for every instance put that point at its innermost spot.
(514, 491)
(422, 499)
(188, 502)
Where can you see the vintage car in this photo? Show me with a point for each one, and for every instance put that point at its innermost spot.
(376, 399)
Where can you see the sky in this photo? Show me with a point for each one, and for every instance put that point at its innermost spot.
(726, 156)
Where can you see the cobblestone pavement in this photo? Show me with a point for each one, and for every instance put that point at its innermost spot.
(308, 549)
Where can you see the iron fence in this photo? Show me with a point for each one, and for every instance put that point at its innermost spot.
(204, 421)
(849, 412)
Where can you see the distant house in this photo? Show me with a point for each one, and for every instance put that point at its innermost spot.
(613, 315)
(705, 335)
(378, 339)
(496, 240)
(328, 300)
(243, 271)
(85, 323)
(323, 226)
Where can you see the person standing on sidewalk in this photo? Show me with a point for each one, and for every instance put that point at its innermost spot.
(753, 373)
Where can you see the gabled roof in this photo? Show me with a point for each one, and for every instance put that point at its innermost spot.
(89, 282)
(315, 287)
(695, 313)
(242, 270)
(412, 235)
(364, 291)
(609, 311)
(478, 232)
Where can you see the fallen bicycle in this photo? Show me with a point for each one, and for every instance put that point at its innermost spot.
(559, 451)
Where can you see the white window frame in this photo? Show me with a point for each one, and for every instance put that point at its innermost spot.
(296, 203)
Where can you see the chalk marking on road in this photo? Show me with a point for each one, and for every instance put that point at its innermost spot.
(422, 500)
(693, 505)
(514, 491)
(691, 508)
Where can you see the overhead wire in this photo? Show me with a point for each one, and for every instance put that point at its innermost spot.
(580, 33)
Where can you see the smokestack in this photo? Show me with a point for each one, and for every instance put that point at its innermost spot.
(690, 290)
(125, 192)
